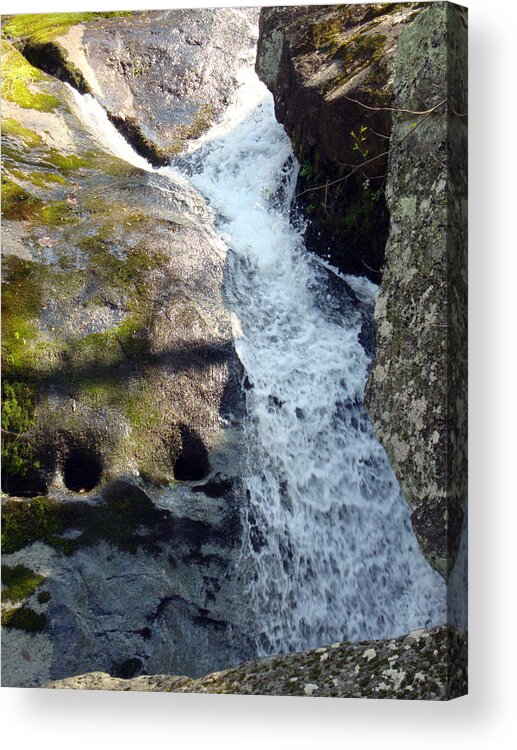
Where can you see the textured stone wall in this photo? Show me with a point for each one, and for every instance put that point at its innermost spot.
(416, 393)
(331, 72)
(412, 667)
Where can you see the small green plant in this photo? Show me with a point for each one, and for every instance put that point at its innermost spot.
(307, 170)
(18, 401)
(359, 140)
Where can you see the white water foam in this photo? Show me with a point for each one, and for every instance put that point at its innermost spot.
(329, 546)
(328, 552)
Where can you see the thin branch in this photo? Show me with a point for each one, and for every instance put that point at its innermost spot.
(9, 433)
(374, 158)
(374, 270)
(396, 109)
(406, 111)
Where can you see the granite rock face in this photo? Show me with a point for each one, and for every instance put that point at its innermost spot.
(162, 76)
(412, 667)
(113, 310)
(122, 405)
(331, 72)
(416, 393)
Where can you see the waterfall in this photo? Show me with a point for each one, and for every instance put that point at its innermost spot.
(328, 552)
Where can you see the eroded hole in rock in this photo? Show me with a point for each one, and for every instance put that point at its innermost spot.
(31, 484)
(82, 470)
(127, 669)
(192, 461)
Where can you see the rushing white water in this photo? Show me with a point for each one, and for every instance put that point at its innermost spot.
(328, 550)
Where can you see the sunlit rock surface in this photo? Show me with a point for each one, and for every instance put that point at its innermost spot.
(413, 667)
(122, 405)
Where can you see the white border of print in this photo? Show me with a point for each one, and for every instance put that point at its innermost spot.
(55, 719)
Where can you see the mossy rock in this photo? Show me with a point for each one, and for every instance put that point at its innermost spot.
(18, 75)
(19, 582)
(337, 65)
(24, 618)
(87, 320)
(125, 518)
(12, 127)
(43, 27)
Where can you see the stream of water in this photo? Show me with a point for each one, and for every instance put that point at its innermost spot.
(328, 551)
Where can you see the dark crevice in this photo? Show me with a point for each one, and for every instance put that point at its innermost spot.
(33, 483)
(216, 487)
(197, 615)
(132, 132)
(127, 669)
(50, 58)
(82, 470)
(192, 462)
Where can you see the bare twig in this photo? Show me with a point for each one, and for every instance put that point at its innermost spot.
(396, 109)
(374, 158)
(10, 433)
(373, 270)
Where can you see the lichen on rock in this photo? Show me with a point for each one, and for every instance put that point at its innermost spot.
(417, 387)
(412, 667)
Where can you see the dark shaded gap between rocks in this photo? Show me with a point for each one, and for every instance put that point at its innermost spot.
(50, 58)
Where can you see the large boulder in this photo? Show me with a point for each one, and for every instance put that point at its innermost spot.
(416, 394)
(162, 76)
(331, 72)
(114, 320)
(423, 665)
(121, 406)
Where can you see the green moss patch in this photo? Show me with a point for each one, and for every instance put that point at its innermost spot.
(18, 403)
(24, 618)
(17, 203)
(24, 522)
(327, 33)
(17, 76)
(43, 179)
(12, 127)
(58, 212)
(128, 340)
(21, 304)
(357, 53)
(41, 27)
(128, 520)
(19, 582)
(129, 273)
(20, 205)
(67, 163)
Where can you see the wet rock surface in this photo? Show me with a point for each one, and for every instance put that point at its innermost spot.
(413, 667)
(162, 76)
(331, 72)
(122, 395)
